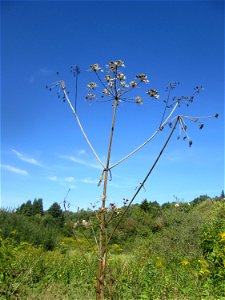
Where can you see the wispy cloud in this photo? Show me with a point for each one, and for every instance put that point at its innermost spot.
(63, 180)
(89, 181)
(120, 186)
(27, 159)
(53, 178)
(14, 170)
(69, 179)
(40, 73)
(80, 161)
(45, 71)
(82, 152)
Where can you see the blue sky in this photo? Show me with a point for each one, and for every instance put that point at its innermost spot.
(43, 153)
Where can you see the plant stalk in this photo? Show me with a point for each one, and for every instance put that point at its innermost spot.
(145, 179)
(102, 227)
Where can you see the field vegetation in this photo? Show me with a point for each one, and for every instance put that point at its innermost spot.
(168, 251)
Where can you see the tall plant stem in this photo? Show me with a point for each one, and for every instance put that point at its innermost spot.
(145, 179)
(102, 227)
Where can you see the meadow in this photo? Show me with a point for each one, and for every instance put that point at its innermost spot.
(164, 251)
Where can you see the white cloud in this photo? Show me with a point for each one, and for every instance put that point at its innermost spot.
(63, 181)
(81, 161)
(120, 185)
(89, 181)
(45, 72)
(53, 178)
(28, 160)
(72, 187)
(14, 170)
(69, 179)
(82, 152)
(40, 73)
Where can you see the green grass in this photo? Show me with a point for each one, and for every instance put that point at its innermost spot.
(185, 259)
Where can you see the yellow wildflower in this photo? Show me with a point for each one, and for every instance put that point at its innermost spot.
(203, 272)
(203, 263)
(222, 237)
(184, 263)
(159, 263)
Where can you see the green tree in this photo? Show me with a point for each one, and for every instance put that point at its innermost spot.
(145, 205)
(27, 208)
(38, 207)
(199, 199)
(56, 212)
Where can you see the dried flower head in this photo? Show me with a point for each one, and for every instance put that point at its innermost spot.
(143, 77)
(139, 100)
(153, 93)
(91, 85)
(125, 200)
(111, 84)
(90, 97)
(123, 83)
(62, 84)
(120, 63)
(198, 89)
(133, 84)
(95, 67)
(108, 77)
(113, 206)
(121, 76)
(106, 92)
(112, 65)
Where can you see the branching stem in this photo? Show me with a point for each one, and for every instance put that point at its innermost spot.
(148, 140)
(145, 179)
(81, 127)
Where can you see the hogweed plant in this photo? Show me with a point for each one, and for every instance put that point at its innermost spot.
(111, 85)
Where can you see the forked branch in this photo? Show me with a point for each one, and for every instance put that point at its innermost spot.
(144, 180)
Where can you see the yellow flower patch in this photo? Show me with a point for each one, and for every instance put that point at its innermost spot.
(222, 237)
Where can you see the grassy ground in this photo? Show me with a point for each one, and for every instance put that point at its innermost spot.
(183, 259)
